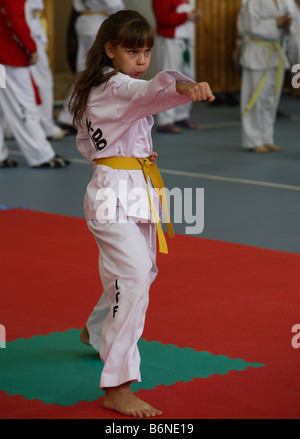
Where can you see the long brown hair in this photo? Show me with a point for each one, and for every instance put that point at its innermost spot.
(126, 28)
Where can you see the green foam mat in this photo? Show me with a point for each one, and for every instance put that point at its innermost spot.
(58, 369)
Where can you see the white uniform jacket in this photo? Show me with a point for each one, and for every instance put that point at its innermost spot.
(89, 24)
(118, 123)
(109, 6)
(187, 29)
(259, 21)
(294, 39)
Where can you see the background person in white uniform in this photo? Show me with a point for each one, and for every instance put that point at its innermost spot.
(17, 99)
(240, 39)
(175, 29)
(293, 45)
(127, 248)
(265, 24)
(91, 14)
(41, 70)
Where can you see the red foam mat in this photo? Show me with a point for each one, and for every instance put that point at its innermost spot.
(212, 296)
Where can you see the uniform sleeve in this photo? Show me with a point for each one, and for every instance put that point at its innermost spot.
(166, 15)
(137, 98)
(14, 13)
(259, 22)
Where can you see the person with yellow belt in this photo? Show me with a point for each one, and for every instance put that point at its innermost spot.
(265, 24)
(113, 107)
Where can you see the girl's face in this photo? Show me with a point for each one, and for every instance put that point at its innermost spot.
(133, 62)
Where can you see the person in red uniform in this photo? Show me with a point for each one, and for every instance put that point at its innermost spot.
(18, 104)
(175, 29)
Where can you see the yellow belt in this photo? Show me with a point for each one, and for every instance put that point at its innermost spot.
(94, 13)
(149, 169)
(262, 82)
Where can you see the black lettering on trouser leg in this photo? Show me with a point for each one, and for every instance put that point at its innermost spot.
(115, 308)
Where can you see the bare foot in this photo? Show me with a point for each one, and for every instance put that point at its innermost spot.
(85, 336)
(122, 400)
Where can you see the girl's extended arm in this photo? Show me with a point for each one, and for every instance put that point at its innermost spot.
(132, 99)
(199, 91)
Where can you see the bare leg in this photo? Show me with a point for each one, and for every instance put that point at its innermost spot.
(122, 400)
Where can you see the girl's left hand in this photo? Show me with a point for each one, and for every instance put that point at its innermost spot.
(153, 157)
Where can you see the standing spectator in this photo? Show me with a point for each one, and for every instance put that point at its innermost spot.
(90, 16)
(175, 21)
(265, 24)
(18, 51)
(110, 94)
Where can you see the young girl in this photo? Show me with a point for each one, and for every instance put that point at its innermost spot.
(113, 109)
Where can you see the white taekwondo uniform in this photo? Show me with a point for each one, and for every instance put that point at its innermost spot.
(87, 25)
(17, 99)
(41, 70)
(293, 46)
(259, 23)
(121, 111)
(92, 14)
(170, 55)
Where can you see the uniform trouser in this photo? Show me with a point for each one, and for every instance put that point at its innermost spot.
(19, 110)
(43, 78)
(170, 57)
(127, 268)
(258, 124)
